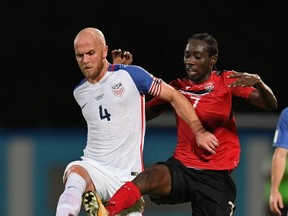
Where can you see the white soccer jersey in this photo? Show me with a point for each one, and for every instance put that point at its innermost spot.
(114, 109)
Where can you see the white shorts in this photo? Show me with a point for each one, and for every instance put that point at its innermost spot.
(106, 184)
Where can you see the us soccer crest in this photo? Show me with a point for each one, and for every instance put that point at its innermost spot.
(118, 89)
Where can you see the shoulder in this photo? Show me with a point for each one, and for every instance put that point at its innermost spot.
(284, 114)
(285, 110)
(141, 78)
(223, 73)
(179, 82)
(128, 68)
(134, 71)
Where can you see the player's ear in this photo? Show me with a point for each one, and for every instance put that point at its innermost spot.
(105, 52)
(213, 60)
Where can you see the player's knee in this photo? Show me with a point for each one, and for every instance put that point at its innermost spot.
(153, 178)
(83, 173)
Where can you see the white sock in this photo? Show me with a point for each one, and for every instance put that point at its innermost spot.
(70, 200)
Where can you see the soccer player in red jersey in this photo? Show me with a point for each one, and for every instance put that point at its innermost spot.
(199, 174)
(112, 100)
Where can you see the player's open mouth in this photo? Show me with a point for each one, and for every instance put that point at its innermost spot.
(87, 68)
(190, 71)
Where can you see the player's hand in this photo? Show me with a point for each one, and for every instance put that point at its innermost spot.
(276, 203)
(207, 141)
(121, 57)
(244, 79)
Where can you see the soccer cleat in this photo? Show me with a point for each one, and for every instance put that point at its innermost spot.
(93, 205)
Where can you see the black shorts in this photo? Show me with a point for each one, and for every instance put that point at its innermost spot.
(210, 192)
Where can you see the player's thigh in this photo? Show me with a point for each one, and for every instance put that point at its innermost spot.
(154, 180)
(104, 181)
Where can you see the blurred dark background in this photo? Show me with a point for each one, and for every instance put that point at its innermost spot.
(39, 71)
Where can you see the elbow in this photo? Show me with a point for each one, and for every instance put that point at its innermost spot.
(272, 106)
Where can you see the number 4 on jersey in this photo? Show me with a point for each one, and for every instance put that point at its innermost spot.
(104, 113)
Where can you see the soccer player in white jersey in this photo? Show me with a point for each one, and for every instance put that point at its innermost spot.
(112, 100)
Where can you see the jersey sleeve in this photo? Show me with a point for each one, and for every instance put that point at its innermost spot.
(145, 82)
(158, 105)
(238, 91)
(281, 132)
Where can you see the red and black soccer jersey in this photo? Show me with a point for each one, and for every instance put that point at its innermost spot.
(213, 104)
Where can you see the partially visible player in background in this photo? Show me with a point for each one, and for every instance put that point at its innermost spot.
(194, 173)
(112, 100)
(280, 143)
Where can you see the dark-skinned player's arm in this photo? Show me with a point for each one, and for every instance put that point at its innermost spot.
(262, 96)
(186, 111)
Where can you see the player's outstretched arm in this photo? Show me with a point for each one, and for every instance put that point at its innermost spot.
(262, 97)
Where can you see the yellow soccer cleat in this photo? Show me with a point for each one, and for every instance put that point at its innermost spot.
(93, 205)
